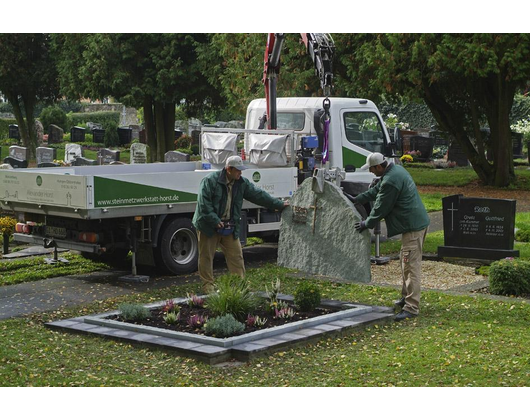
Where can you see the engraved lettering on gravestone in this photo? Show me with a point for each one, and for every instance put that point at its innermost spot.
(46, 155)
(138, 153)
(18, 152)
(107, 156)
(299, 214)
(71, 152)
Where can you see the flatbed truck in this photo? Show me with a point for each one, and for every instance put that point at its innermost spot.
(107, 211)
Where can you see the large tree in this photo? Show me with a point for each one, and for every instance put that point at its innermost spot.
(234, 64)
(153, 71)
(27, 76)
(466, 80)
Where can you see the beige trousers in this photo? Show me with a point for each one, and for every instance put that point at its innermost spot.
(231, 249)
(411, 254)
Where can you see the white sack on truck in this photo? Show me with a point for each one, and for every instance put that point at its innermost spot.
(218, 147)
(267, 150)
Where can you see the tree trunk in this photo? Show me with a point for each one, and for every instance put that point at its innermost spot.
(149, 122)
(32, 135)
(160, 131)
(26, 127)
(169, 119)
(450, 121)
(165, 128)
(498, 104)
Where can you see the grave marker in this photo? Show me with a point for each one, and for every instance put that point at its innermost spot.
(71, 152)
(478, 228)
(107, 156)
(46, 156)
(138, 153)
(55, 134)
(175, 156)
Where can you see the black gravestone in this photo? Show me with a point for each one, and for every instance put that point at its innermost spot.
(124, 135)
(422, 144)
(478, 228)
(13, 132)
(517, 142)
(456, 154)
(77, 134)
(98, 135)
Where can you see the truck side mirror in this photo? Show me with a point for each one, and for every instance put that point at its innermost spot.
(397, 144)
(350, 168)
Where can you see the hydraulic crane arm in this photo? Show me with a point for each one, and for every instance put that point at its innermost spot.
(320, 47)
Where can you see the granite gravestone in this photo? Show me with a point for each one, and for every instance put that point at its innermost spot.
(55, 134)
(13, 132)
(17, 157)
(107, 156)
(124, 135)
(46, 157)
(77, 134)
(71, 152)
(175, 156)
(478, 228)
(138, 153)
(317, 235)
(98, 135)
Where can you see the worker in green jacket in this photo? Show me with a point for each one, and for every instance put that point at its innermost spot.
(396, 200)
(218, 214)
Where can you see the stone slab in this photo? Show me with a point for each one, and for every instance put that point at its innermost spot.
(317, 235)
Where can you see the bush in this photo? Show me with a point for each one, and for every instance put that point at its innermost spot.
(522, 235)
(233, 297)
(54, 115)
(111, 134)
(307, 297)
(223, 326)
(134, 311)
(510, 277)
(103, 118)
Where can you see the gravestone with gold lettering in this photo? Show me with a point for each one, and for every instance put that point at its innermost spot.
(478, 228)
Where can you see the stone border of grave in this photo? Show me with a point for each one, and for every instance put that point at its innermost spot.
(243, 348)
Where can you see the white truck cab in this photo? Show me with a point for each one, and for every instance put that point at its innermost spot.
(356, 129)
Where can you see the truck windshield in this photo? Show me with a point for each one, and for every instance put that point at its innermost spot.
(364, 129)
(291, 121)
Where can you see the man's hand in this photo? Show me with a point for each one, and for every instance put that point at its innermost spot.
(286, 203)
(220, 225)
(360, 226)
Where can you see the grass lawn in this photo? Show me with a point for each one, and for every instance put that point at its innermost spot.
(31, 269)
(457, 341)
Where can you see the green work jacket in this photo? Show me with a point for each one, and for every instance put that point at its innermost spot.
(397, 201)
(211, 202)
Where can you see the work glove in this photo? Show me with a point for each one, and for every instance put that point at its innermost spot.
(351, 198)
(360, 226)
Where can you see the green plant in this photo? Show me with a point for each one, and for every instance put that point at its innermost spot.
(171, 318)
(406, 158)
(195, 301)
(232, 296)
(111, 134)
(255, 321)
(197, 321)
(510, 277)
(307, 296)
(134, 311)
(223, 326)
(522, 235)
(7, 225)
(53, 115)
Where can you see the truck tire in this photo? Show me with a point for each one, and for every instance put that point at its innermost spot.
(178, 248)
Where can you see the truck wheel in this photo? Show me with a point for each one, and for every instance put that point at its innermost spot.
(178, 250)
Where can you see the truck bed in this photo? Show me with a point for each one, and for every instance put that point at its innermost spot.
(101, 192)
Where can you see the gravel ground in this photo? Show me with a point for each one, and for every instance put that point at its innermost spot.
(435, 275)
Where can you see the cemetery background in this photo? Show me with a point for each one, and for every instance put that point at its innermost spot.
(461, 339)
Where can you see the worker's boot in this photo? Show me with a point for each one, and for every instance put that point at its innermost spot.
(399, 304)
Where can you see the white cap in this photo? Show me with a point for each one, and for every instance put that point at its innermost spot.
(373, 159)
(235, 162)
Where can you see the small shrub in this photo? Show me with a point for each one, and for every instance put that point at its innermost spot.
(172, 318)
(285, 313)
(522, 235)
(7, 225)
(307, 297)
(53, 115)
(134, 311)
(111, 138)
(255, 321)
(197, 321)
(510, 277)
(223, 326)
(233, 296)
(195, 301)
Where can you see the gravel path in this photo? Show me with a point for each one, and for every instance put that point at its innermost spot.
(435, 275)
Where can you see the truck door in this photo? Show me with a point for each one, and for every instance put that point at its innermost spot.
(362, 134)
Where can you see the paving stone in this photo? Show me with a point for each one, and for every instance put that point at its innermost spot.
(215, 354)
